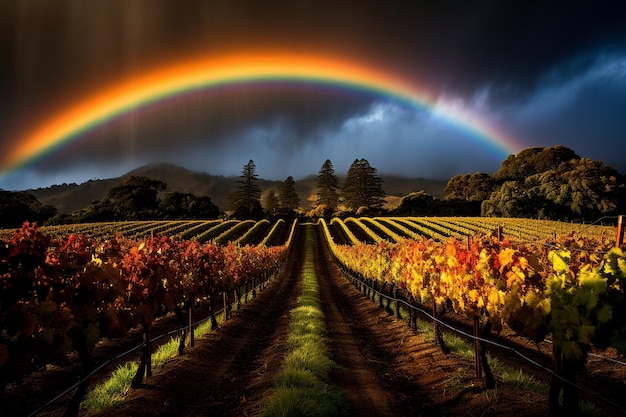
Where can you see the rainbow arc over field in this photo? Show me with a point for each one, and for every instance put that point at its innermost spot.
(174, 81)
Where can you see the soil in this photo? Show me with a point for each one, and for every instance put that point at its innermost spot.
(383, 367)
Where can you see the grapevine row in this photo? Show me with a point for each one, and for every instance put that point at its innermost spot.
(518, 231)
(55, 299)
(201, 230)
(577, 297)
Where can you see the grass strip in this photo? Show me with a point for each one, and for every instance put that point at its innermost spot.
(301, 388)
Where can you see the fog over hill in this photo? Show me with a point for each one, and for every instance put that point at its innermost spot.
(68, 198)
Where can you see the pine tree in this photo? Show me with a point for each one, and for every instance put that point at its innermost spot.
(288, 199)
(247, 198)
(363, 187)
(327, 185)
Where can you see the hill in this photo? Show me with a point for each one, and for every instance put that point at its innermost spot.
(68, 198)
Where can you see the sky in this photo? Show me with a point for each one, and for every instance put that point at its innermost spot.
(426, 89)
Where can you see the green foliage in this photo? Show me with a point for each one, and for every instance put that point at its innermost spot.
(18, 207)
(288, 200)
(555, 183)
(469, 187)
(363, 187)
(531, 161)
(177, 205)
(247, 198)
(416, 204)
(136, 198)
(326, 197)
(583, 298)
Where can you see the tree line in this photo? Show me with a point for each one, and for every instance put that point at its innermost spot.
(539, 182)
(361, 193)
(138, 198)
(545, 183)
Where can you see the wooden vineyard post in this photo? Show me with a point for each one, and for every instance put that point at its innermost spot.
(437, 330)
(226, 312)
(435, 327)
(145, 364)
(477, 367)
(619, 234)
(191, 335)
(555, 383)
(149, 350)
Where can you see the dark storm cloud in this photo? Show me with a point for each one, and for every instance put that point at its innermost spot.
(507, 53)
(297, 115)
(588, 112)
(515, 46)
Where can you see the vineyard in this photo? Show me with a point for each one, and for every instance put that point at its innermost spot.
(440, 229)
(216, 231)
(64, 294)
(571, 289)
(66, 288)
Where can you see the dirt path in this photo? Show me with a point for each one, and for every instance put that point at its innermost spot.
(389, 371)
(385, 369)
(229, 370)
(355, 347)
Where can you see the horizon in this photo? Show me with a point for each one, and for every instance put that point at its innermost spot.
(311, 176)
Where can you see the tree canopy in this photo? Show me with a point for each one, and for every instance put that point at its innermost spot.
(538, 182)
(470, 187)
(288, 200)
(418, 203)
(555, 183)
(362, 189)
(531, 161)
(326, 196)
(247, 197)
(177, 205)
(16, 207)
(136, 198)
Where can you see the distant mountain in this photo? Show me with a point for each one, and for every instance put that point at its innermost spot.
(68, 198)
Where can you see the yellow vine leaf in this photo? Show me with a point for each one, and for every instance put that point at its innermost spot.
(505, 257)
(559, 260)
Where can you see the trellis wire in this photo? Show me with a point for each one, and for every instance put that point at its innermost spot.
(473, 337)
(116, 357)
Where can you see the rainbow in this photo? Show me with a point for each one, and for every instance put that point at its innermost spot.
(204, 74)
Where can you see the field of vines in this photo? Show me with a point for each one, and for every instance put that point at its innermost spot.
(63, 289)
(396, 229)
(240, 233)
(542, 279)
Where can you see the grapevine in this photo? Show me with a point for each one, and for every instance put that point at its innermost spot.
(535, 290)
(64, 295)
